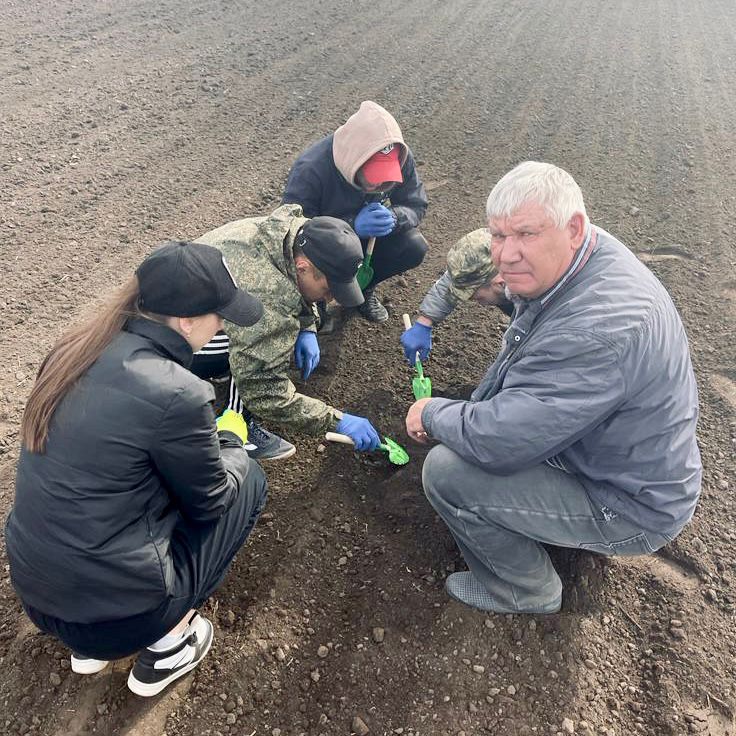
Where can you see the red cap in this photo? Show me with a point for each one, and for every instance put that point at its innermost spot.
(383, 166)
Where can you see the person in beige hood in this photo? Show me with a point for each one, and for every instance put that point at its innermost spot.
(365, 174)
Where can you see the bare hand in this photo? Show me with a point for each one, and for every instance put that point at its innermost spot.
(414, 427)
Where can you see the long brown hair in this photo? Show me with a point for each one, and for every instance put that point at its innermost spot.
(70, 358)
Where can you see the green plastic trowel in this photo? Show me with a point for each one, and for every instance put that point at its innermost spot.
(421, 385)
(365, 272)
(396, 453)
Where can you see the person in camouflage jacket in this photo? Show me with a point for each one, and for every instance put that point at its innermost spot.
(288, 262)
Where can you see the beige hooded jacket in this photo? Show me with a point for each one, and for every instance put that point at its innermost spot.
(365, 132)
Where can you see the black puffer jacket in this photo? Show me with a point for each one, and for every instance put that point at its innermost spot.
(131, 449)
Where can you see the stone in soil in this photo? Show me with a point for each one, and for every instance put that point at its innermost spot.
(359, 727)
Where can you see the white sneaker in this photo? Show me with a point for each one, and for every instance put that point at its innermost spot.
(86, 665)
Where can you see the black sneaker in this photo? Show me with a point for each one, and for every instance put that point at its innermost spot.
(371, 309)
(153, 671)
(265, 445)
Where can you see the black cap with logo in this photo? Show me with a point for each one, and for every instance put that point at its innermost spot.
(183, 279)
(334, 248)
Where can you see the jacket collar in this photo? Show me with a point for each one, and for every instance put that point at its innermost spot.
(580, 259)
(166, 340)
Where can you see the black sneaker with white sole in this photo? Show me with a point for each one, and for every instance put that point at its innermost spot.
(153, 671)
(265, 445)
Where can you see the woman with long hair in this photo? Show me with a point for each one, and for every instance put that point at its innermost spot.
(131, 499)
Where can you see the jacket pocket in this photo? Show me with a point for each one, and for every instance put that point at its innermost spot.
(636, 545)
(161, 546)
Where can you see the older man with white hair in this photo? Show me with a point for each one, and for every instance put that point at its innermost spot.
(582, 431)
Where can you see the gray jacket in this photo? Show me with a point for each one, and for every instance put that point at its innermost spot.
(438, 302)
(596, 377)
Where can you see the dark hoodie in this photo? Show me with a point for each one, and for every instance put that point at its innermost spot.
(322, 180)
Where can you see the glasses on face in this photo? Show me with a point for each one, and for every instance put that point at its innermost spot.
(374, 190)
(375, 196)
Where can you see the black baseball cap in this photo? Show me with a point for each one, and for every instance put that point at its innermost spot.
(334, 248)
(183, 279)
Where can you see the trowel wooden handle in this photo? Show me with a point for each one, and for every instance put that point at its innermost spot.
(407, 321)
(337, 437)
(371, 245)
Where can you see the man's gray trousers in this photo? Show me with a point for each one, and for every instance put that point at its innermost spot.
(499, 521)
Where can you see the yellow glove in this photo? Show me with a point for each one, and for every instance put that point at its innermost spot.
(231, 421)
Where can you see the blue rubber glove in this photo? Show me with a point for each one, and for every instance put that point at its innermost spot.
(360, 431)
(374, 221)
(417, 339)
(306, 352)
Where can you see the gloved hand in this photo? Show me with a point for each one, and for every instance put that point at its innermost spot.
(374, 221)
(231, 421)
(360, 431)
(306, 352)
(417, 339)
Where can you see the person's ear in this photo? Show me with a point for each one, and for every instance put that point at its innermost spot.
(302, 265)
(186, 325)
(576, 229)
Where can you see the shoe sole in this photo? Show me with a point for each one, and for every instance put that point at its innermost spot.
(86, 667)
(282, 456)
(148, 690)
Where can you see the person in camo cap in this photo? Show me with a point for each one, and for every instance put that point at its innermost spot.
(470, 275)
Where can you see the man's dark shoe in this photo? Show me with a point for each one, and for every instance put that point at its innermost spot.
(265, 445)
(153, 671)
(371, 309)
(466, 588)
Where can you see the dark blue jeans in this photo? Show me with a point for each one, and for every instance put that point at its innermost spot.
(202, 555)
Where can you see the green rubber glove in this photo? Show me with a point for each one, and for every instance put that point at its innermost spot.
(231, 421)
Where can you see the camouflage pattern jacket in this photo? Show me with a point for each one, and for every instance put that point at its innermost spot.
(258, 251)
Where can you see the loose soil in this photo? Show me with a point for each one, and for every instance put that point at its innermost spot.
(127, 123)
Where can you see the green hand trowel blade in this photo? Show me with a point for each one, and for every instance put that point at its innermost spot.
(365, 272)
(421, 385)
(396, 453)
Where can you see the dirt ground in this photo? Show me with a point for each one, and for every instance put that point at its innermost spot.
(126, 123)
